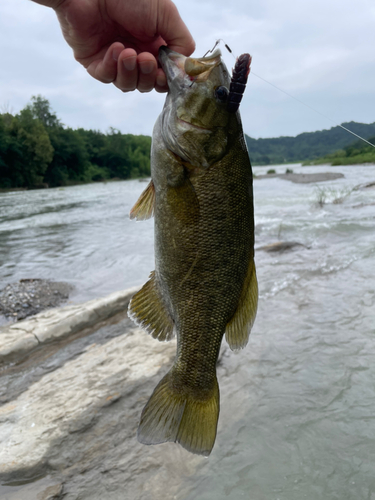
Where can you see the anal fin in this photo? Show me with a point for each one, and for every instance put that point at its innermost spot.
(146, 309)
(144, 206)
(239, 327)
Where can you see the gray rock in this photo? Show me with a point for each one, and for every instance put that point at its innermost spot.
(82, 417)
(51, 492)
(21, 338)
(280, 246)
(304, 178)
(70, 414)
(43, 489)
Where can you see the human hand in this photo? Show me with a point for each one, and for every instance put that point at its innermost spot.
(117, 41)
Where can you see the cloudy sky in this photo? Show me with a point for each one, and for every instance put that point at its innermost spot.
(320, 51)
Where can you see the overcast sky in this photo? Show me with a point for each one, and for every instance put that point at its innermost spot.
(320, 51)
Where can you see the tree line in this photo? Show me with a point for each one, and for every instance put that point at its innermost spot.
(357, 152)
(37, 150)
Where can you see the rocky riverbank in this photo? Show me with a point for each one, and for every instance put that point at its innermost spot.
(69, 410)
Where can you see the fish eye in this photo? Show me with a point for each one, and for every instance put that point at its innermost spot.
(221, 93)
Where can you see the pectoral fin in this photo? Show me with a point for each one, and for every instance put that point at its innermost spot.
(238, 329)
(144, 207)
(147, 310)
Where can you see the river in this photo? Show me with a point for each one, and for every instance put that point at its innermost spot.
(298, 404)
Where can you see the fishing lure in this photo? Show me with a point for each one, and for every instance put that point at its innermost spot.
(238, 82)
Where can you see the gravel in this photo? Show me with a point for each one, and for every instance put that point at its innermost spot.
(32, 296)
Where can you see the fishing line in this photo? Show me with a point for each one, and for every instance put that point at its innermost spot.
(225, 45)
(312, 109)
(289, 95)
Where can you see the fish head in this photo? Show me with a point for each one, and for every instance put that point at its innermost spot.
(195, 120)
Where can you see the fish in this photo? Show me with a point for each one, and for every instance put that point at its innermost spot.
(204, 285)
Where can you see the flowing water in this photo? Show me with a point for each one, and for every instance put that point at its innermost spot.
(298, 404)
(80, 234)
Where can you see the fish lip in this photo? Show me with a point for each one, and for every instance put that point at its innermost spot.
(173, 63)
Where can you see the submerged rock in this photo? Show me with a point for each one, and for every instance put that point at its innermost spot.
(280, 246)
(304, 178)
(366, 185)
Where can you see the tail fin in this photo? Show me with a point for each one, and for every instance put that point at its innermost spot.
(172, 416)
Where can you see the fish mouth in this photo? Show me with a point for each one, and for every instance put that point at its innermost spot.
(190, 69)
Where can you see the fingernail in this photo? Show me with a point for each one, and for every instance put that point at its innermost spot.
(116, 53)
(129, 63)
(146, 67)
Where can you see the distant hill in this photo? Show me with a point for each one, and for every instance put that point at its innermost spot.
(306, 146)
(357, 152)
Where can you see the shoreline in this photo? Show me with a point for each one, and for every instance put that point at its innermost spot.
(298, 178)
(42, 188)
(18, 340)
(74, 404)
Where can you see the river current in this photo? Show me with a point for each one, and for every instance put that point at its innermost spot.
(298, 404)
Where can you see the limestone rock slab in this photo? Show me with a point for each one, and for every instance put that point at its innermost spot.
(20, 338)
(67, 401)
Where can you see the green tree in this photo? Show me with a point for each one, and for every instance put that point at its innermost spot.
(36, 148)
(5, 181)
(27, 151)
(41, 109)
(70, 158)
(126, 155)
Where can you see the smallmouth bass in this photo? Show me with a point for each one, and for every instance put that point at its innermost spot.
(204, 284)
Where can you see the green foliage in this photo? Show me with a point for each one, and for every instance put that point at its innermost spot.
(325, 195)
(357, 152)
(36, 149)
(93, 173)
(40, 109)
(271, 171)
(26, 151)
(320, 196)
(304, 147)
(70, 159)
(127, 155)
(289, 171)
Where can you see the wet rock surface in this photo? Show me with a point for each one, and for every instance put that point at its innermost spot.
(69, 415)
(19, 340)
(31, 296)
(366, 185)
(281, 246)
(73, 415)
